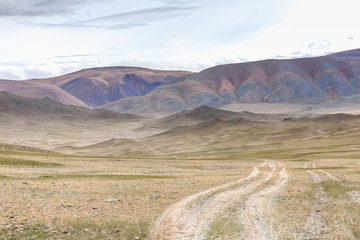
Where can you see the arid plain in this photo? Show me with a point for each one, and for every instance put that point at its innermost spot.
(201, 174)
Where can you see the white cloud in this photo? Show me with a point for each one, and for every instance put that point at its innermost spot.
(167, 34)
(38, 7)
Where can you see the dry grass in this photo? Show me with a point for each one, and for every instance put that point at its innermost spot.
(92, 198)
(120, 190)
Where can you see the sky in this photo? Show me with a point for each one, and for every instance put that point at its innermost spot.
(46, 38)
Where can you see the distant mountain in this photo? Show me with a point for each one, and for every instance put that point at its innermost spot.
(206, 113)
(37, 90)
(170, 98)
(203, 113)
(99, 86)
(349, 53)
(307, 80)
(11, 104)
(144, 91)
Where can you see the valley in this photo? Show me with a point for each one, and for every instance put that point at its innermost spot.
(190, 164)
(203, 174)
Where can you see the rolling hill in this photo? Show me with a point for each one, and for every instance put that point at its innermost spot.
(14, 105)
(39, 91)
(206, 113)
(307, 80)
(46, 124)
(99, 86)
(236, 136)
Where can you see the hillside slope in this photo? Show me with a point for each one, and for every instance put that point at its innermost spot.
(307, 80)
(15, 106)
(39, 91)
(99, 86)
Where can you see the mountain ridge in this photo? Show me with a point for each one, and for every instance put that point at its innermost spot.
(303, 80)
(137, 90)
(39, 91)
(102, 85)
(24, 106)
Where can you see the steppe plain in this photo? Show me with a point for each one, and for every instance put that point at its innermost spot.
(203, 174)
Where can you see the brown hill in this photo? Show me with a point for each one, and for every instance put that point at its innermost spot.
(23, 106)
(39, 91)
(99, 86)
(349, 53)
(295, 80)
(202, 113)
(206, 114)
(307, 80)
(239, 135)
(46, 124)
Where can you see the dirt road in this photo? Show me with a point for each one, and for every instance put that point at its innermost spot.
(190, 217)
(315, 225)
(260, 202)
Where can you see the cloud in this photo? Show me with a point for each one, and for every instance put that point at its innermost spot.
(280, 57)
(125, 20)
(77, 55)
(38, 7)
(176, 2)
(77, 25)
(318, 45)
(19, 72)
(9, 74)
(126, 25)
(144, 15)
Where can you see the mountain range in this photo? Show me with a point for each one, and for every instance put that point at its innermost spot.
(145, 91)
(15, 105)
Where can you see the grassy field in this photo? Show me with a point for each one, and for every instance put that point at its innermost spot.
(67, 197)
(46, 196)
(119, 181)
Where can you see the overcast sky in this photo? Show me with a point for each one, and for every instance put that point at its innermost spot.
(44, 38)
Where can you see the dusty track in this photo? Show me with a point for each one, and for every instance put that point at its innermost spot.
(315, 225)
(137, 139)
(190, 217)
(257, 204)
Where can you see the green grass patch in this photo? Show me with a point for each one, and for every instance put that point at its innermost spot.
(104, 176)
(79, 230)
(299, 160)
(106, 230)
(223, 228)
(326, 168)
(355, 229)
(336, 189)
(22, 162)
(28, 232)
(3, 177)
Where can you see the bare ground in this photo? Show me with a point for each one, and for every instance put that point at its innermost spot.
(190, 217)
(258, 204)
(182, 221)
(316, 227)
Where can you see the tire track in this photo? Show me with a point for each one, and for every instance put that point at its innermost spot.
(257, 204)
(182, 221)
(136, 138)
(329, 175)
(315, 227)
